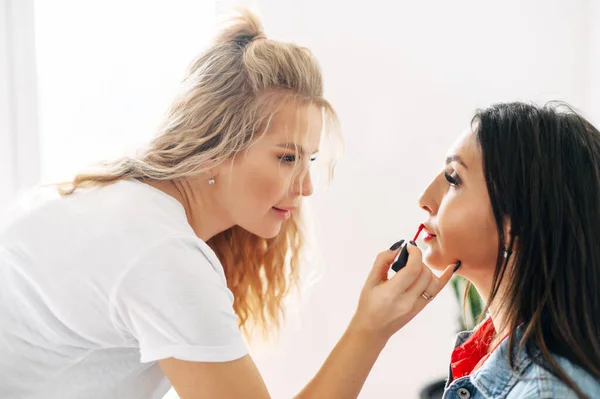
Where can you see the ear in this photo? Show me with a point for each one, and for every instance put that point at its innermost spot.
(215, 168)
(210, 172)
(507, 234)
(506, 225)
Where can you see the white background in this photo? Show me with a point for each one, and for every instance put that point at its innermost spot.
(404, 76)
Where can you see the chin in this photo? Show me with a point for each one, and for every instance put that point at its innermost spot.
(266, 232)
(435, 260)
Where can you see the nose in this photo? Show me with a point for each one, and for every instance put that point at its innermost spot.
(427, 200)
(303, 184)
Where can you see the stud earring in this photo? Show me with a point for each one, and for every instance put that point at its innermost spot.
(211, 179)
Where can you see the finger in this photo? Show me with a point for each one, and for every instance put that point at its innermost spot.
(436, 284)
(382, 264)
(446, 275)
(414, 254)
(411, 272)
(421, 284)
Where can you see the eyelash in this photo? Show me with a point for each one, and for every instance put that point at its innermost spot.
(453, 178)
(292, 158)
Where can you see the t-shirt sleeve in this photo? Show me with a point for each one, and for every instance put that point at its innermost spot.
(175, 303)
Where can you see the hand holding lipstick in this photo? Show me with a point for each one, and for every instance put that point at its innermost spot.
(387, 304)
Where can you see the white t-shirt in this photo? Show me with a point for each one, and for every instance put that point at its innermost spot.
(97, 286)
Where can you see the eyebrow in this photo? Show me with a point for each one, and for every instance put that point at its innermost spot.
(456, 158)
(294, 146)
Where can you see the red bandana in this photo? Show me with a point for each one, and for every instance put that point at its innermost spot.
(471, 354)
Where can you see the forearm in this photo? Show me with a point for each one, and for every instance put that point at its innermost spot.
(344, 372)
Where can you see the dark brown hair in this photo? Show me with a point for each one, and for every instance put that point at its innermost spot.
(542, 170)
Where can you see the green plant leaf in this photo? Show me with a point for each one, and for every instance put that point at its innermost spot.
(475, 304)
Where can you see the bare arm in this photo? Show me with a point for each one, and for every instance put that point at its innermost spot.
(342, 375)
(229, 380)
(384, 307)
(346, 369)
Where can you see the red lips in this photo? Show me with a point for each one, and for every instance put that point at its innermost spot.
(430, 236)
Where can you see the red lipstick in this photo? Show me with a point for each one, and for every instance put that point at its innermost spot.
(421, 227)
(402, 258)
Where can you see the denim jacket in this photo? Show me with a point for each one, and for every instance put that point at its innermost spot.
(495, 378)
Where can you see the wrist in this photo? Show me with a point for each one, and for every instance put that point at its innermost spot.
(366, 334)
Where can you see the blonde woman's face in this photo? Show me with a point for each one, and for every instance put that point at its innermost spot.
(263, 186)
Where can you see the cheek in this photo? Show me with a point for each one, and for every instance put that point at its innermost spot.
(259, 187)
(467, 232)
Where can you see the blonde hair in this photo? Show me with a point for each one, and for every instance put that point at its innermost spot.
(228, 97)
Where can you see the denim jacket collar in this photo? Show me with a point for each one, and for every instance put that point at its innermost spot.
(495, 378)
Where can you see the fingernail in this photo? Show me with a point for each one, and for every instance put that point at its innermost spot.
(413, 243)
(396, 245)
(457, 265)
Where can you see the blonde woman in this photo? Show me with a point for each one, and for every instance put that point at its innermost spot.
(147, 272)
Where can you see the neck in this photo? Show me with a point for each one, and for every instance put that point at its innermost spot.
(499, 320)
(483, 284)
(204, 212)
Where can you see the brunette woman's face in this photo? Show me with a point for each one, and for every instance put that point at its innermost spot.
(460, 218)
